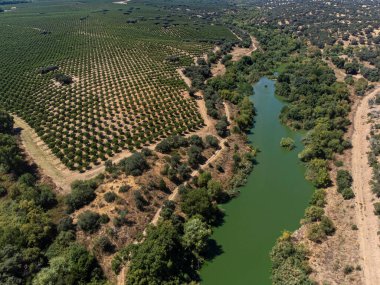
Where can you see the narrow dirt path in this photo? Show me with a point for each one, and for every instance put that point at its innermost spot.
(367, 221)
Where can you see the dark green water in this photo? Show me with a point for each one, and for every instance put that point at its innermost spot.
(273, 200)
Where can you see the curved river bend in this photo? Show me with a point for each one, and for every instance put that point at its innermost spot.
(273, 200)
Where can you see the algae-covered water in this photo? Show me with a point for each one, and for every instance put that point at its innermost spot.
(273, 200)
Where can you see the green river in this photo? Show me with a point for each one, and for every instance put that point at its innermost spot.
(273, 200)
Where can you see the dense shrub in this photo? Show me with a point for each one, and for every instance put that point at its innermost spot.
(82, 193)
(318, 198)
(287, 143)
(289, 263)
(134, 165)
(377, 208)
(313, 214)
(344, 183)
(110, 197)
(89, 221)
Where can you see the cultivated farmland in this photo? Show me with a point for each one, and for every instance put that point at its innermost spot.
(97, 79)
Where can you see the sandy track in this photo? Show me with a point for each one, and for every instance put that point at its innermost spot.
(367, 222)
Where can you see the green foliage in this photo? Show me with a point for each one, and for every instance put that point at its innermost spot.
(134, 165)
(82, 193)
(318, 198)
(246, 114)
(215, 189)
(139, 200)
(317, 172)
(313, 214)
(344, 183)
(212, 141)
(6, 122)
(222, 127)
(171, 143)
(65, 224)
(377, 208)
(10, 158)
(315, 233)
(327, 225)
(63, 79)
(197, 202)
(25, 229)
(289, 263)
(89, 221)
(73, 266)
(361, 86)
(203, 179)
(194, 156)
(287, 143)
(159, 259)
(109, 197)
(196, 235)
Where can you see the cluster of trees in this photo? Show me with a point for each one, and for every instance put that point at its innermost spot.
(198, 74)
(63, 78)
(134, 165)
(177, 170)
(319, 104)
(289, 262)
(33, 250)
(173, 251)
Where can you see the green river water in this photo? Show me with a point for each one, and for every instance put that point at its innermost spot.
(273, 200)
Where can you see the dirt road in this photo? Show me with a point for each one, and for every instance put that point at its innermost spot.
(367, 222)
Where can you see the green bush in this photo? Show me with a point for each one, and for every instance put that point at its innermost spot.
(347, 194)
(289, 263)
(287, 143)
(313, 214)
(104, 219)
(317, 172)
(124, 188)
(377, 208)
(89, 221)
(315, 233)
(82, 193)
(327, 226)
(110, 197)
(318, 198)
(104, 245)
(134, 165)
